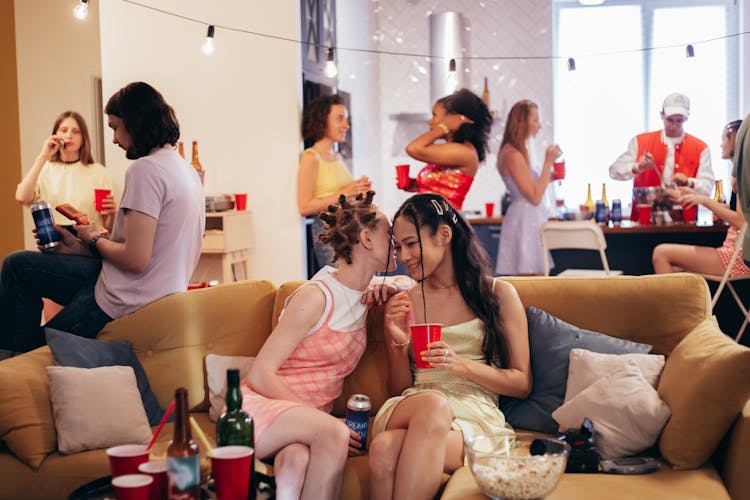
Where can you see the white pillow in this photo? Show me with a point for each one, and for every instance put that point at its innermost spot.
(587, 367)
(216, 375)
(626, 411)
(96, 408)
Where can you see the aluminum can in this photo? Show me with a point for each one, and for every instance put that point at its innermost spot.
(358, 415)
(616, 210)
(48, 237)
(600, 212)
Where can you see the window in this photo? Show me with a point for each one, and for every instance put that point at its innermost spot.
(617, 89)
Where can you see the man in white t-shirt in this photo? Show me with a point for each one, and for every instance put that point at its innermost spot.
(154, 246)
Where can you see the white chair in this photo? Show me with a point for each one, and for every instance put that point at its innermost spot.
(727, 280)
(582, 235)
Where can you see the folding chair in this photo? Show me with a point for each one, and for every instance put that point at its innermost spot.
(727, 281)
(582, 235)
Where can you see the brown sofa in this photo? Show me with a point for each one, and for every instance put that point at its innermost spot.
(172, 336)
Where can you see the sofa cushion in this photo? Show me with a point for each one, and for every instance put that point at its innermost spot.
(550, 342)
(26, 423)
(706, 382)
(81, 352)
(626, 411)
(216, 376)
(96, 408)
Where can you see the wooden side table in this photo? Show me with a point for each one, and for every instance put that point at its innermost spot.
(228, 240)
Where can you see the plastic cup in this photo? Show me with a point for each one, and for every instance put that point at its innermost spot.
(402, 176)
(157, 469)
(689, 214)
(559, 169)
(126, 458)
(240, 201)
(644, 214)
(489, 209)
(232, 467)
(132, 486)
(422, 335)
(99, 195)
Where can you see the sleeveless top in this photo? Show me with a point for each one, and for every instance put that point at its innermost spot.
(332, 175)
(451, 183)
(727, 250)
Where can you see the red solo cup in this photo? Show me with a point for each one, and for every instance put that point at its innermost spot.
(423, 335)
(99, 195)
(559, 168)
(232, 467)
(126, 458)
(402, 176)
(132, 486)
(158, 471)
(689, 214)
(644, 214)
(240, 201)
(489, 209)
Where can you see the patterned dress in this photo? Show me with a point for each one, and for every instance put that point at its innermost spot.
(727, 250)
(316, 369)
(451, 183)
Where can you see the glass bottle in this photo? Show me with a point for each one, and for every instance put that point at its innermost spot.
(719, 198)
(605, 201)
(196, 162)
(235, 426)
(589, 203)
(183, 455)
(486, 94)
(181, 149)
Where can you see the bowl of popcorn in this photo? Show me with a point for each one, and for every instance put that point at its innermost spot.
(516, 466)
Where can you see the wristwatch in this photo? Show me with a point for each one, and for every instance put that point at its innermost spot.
(92, 243)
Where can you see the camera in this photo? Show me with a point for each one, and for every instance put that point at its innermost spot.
(583, 456)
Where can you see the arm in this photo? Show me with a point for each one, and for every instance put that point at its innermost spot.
(26, 189)
(511, 160)
(307, 174)
(301, 313)
(622, 168)
(703, 182)
(455, 154)
(397, 343)
(733, 217)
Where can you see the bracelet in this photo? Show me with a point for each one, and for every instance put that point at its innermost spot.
(92, 244)
(401, 345)
(443, 127)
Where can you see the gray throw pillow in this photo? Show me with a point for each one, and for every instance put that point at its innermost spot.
(550, 342)
(82, 352)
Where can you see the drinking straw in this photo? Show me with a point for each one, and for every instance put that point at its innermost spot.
(161, 425)
(200, 435)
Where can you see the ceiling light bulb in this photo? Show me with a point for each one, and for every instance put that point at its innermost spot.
(571, 64)
(452, 79)
(690, 51)
(81, 11)
(330, 69)
(208, 45)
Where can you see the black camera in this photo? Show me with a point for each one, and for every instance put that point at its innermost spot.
(583, 455)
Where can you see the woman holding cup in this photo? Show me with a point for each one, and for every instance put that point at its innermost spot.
(483, 351)
(65, 172)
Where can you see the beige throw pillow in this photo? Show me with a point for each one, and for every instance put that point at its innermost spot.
(626, 411)
(96, 408)
(586, 367)
(216, 376)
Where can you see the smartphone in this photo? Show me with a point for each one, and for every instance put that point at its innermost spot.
(630, 465)
(73, 213)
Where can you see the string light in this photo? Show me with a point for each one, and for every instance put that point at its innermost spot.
(330, 69)
(208, 45)
(571, 64)
(81, 11)
(689, 51)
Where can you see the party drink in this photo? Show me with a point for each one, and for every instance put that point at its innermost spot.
(358, 415)
(49, 239)
(183, 455)
(616, 211)
(235, 426)
(422, 335)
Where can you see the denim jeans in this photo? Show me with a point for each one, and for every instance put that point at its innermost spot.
(69, 280)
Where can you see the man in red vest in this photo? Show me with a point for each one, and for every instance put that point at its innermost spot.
(671, 154)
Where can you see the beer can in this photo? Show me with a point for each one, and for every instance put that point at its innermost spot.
(358, 415)
(48, 237)
(616, 211)
(600, 212)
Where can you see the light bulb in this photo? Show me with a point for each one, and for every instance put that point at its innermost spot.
(571, 64)
(81, 11)
(330, 69)
(452, 79)
(208, 45)
(690, 51)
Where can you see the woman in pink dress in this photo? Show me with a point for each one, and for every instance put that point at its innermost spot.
(319, 339)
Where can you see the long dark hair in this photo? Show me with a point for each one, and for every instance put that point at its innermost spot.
(315, 117)
(470, 264)
(465, 102)
(148, 118)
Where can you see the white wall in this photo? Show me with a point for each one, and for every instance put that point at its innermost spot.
(744, 81)
(241, 104)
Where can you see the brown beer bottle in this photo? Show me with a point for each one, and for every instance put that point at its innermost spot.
(181, 149)
(719, 198)
(183, 455)
(196, 162)
(486, 94)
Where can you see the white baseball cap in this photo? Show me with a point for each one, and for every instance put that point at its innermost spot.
(676, 104)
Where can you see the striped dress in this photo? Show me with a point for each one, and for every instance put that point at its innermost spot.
(316, 369)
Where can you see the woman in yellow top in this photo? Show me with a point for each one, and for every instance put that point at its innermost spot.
(322, 177)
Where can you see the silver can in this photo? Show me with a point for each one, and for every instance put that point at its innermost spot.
(49, 239)
(358, 415)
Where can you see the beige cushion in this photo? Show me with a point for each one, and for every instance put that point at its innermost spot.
(216, 376)
(96, 407)
(586, 367)
(626, 411)
(706, 382)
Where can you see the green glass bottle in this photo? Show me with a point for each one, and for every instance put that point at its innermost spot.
(235, 426)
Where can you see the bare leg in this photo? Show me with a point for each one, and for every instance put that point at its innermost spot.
(290, 466)
(691, 258)
(383, 459)
(325, 436)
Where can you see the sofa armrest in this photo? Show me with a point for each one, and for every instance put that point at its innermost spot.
(737, 459)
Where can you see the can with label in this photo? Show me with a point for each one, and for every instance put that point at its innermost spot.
(616, 211)
(358, 415)
(48, 237)
(600, 212)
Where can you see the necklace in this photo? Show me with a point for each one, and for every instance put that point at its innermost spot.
(70, 162)
(439, 287)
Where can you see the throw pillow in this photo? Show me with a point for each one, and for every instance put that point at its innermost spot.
(82, 352)
(706, 382)
(216, 376)
(626, 411)
(96, 408)
(550, 342)
(587, 367)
